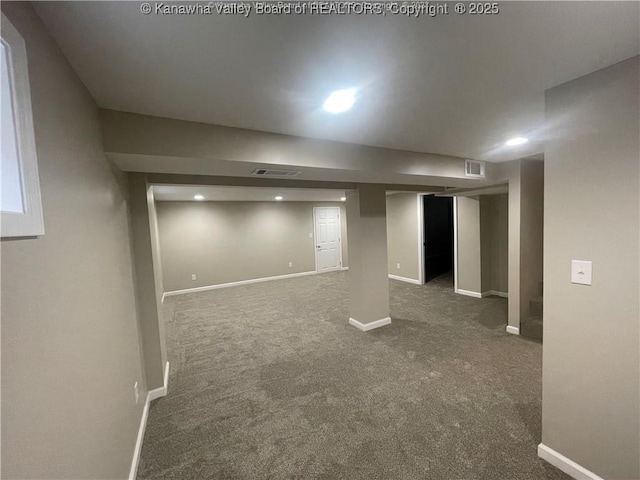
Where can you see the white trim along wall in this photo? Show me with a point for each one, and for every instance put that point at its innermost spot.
(243, 282)
(565, 464)
(365, 327)
(513, 330)
(495, 293)
(468, 293)
(151, 395)
(490, 293)
(405, 279)
(235, 284)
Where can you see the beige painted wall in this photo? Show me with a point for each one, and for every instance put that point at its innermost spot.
(70, 352)
(179, 219)
(402, 234)
(468, 233)
(590, 402)
(224, 242)
(494, 238)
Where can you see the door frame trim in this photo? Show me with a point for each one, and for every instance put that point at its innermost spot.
(455, 244)
(315, 235)
(421, 246)
(421, 272)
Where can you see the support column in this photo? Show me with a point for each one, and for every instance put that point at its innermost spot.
(368, 272)
(526, 205)
(146, 259)
(469, 265)
(513, 308)
(531, 233)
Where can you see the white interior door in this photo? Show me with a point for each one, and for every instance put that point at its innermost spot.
(327, 238)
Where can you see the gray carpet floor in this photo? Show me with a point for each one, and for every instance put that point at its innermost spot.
(268, 381)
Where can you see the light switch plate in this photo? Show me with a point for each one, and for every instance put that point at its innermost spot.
(581, 272)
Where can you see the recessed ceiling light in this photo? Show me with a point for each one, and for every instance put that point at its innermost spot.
(198, 197)
(278, 198)
(340, 100)
(343, 199)
(516, 141)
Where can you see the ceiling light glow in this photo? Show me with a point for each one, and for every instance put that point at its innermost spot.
(198, 197)
(340, 100)
(516, 141)
(343, 199)
(278, 198)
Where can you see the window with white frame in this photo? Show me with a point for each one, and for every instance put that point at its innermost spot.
(20, 201)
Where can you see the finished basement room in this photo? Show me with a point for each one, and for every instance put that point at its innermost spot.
(320, 240)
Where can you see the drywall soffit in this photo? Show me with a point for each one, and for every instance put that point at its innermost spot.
(472, 192)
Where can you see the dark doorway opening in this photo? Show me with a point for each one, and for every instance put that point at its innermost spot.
(438, 236)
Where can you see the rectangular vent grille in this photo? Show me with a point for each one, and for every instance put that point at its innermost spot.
(474, 168)
(263, 172)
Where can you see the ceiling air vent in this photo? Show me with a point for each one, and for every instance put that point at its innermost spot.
(474, 168)
(263, 172)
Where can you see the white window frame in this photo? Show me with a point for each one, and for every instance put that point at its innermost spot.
(31, 222)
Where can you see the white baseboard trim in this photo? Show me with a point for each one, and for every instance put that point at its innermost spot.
(344, 268)
(565, 464)
(405, 279)
(495, 293)
(151, 395)
(365, 327)
(165, 378)
(235, 284)
(513, 330)
(468, 293)
(161, 391)
(138, 448)
(157, 393)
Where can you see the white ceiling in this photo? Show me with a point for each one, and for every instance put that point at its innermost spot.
(454, 85)
(181, 193)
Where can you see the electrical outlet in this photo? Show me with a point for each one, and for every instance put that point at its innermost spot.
(193, 276)
(136, 393)
(290, 264)
(398, 266)
(581, 271)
